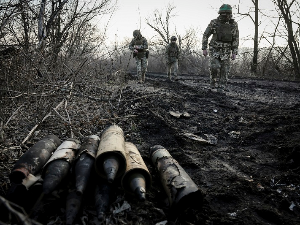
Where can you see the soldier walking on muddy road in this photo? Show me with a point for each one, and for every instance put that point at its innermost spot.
(223, 45)
(172, 55)
(139, 46)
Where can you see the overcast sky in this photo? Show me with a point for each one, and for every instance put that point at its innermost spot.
(131, 14)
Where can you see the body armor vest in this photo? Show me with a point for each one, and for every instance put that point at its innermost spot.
(224, 32)
(173, 50)
(141, 52)
(138, 42)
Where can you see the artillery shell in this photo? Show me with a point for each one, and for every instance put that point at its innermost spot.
(55, 172)
(34, 192)
(111, 167)
(137, 176)
(111, 158)
(73, 205)
(32, 161)
(58, 166)
(182, 192)
(103, 195)
(137, 185)
(18, 194)
(85, 162)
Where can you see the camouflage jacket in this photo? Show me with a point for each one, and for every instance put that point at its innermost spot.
(172, 52)
(141, 45)
(225, 38)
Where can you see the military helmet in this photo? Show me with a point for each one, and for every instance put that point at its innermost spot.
(136, 33)
(225, 8)
(173, 38)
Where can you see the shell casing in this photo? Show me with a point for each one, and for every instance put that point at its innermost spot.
(181, 190)
(136, 178)
(84, 162)
(103, 195)
(54, 174)
(58, 166)
(73, 205)
(111, 157)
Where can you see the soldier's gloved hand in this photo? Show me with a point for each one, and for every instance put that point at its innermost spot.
(233, 56)
(205, 52)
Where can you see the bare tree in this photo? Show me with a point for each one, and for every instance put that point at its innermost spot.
(17, 19)
(287, 14)
(255, 51)
(25, 23)
(7, 11)
(255, 38)
(161, 23)
(66, 19)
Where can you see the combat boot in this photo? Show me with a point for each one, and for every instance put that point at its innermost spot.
(169, 77)
(140, 80)
(175, 77)
(223, 84)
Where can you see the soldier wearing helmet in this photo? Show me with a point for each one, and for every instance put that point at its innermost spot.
(172, 55)
(222, 46)
(139, 46)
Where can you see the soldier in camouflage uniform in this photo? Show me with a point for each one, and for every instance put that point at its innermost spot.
(223, 45)
(139, 46)
(172, 55)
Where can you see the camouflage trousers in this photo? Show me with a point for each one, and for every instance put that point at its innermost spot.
(174, 66)
(141, 66)
(219, 71)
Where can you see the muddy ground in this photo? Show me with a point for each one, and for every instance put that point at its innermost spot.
(239, 146)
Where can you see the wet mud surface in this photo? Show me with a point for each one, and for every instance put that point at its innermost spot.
(239, 146)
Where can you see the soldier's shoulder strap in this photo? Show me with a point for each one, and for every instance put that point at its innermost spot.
(233, 23)
(214, 22)
(133, 41)
(144, 39)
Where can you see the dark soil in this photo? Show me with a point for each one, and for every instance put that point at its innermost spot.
(239, 146)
